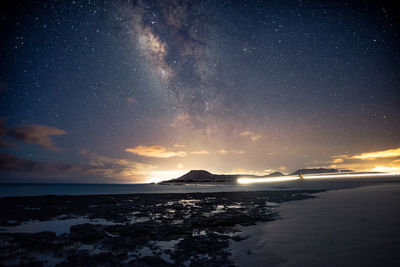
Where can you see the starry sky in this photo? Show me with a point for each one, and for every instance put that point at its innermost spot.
(142, 91)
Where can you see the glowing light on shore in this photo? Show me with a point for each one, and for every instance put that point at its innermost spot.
(352, 175)
(248, 180)
(386, 169)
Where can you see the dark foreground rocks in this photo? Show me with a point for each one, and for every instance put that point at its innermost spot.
(193, 229)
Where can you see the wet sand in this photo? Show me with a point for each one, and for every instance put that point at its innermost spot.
(351, 227)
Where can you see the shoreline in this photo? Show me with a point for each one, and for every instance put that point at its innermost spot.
(135, 228)
(202, 228)
(347, 227)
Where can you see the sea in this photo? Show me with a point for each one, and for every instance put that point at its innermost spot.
(41, 189)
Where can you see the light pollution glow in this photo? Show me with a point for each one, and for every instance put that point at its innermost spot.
(154, 88)
(379, 154)
(159, 176)
(246, 180)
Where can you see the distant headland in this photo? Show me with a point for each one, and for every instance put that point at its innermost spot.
(202, 176)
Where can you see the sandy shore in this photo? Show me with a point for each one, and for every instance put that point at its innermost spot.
(351, 227)
(345, 226)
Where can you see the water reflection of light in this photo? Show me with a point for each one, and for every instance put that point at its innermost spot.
(249, 180)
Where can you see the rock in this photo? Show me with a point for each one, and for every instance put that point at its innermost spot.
(86, 233)
(239, 238)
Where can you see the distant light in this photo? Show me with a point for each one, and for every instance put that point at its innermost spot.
(249, 180)
(380, 168)
(159, 176)
(352, 175)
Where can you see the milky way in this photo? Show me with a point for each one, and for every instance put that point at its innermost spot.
(134, 91)
(173, 37)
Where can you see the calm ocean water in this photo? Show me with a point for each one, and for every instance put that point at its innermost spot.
(39, 189)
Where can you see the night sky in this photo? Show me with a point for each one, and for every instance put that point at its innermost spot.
(139, 91)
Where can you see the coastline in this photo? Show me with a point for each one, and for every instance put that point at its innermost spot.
(143, 229)
(29, 189)
(347, 227)
(177, 229)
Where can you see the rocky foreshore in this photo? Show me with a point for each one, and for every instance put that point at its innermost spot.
(132, 230)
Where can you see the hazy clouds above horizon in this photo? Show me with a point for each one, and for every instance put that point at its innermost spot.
(136, 91)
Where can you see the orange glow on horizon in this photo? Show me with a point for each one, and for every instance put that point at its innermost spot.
(379, 154)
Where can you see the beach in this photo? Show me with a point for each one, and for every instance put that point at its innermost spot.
(350, 227)
(310, 223)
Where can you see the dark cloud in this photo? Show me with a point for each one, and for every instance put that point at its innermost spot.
(5, 144)
(3, 133)
(37, 134)
(3, 129)
(113, 168)
(10, 163)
